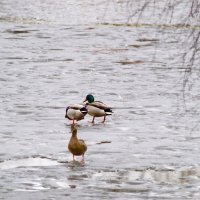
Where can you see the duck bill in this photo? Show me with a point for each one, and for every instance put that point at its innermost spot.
(84, 100)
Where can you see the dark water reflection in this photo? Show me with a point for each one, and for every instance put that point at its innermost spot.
(52, 54)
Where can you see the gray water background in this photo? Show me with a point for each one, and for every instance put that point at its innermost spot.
(52, 54)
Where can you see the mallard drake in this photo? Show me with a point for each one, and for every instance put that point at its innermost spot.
(97, 108)
(75, 112)
(76, 146)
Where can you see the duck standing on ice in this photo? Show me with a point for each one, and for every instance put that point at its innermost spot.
(97, 108)
(75, 112)
(76, 146)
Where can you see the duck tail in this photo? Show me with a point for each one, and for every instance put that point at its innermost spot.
(84, 110)
(108, 111)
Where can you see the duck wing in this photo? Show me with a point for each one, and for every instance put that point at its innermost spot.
(76, 106)
(83, 145)
(79, 107)
(82, 141)
(99, 104)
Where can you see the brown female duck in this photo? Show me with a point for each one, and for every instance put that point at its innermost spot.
(76, 146)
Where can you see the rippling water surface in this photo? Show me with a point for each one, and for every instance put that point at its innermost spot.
(52, 54)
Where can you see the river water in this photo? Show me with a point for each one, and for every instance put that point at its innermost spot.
(52, 54)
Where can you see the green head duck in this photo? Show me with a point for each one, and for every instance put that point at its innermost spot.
(89, 98)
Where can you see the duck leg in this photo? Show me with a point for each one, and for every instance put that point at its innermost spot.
(83, 160)
(104, 119)
(73, 158)
(92, 120)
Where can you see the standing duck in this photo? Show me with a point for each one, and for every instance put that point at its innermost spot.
(97, 108)
(75, 112)
(76, 146)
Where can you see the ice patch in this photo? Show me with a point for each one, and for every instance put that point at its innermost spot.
(28, 162)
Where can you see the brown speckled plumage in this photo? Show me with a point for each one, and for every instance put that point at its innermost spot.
(76, 146)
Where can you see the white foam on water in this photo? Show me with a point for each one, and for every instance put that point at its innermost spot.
(28, 162)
